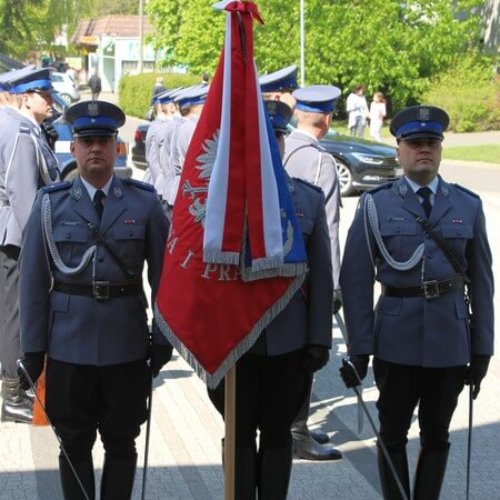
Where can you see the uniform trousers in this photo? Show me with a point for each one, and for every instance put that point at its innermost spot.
(402, 387)
(269, 391)
(84, 399)
(10, 341)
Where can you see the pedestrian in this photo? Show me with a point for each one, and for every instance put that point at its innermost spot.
(158, 87)
(271, 376)
(26, 164)
(425, 241)
(357, 108)
(95, 85)
(305, 159)
(83, 305)
(378, 112)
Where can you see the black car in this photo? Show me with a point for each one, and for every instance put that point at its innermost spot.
(361, 164)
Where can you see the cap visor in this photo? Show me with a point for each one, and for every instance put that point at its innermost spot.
(421, 135)
(96, 132)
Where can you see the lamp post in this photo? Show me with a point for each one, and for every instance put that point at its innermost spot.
(141, 34)
(302, 55)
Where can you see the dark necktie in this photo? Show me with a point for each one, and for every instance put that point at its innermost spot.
(425, 194)
(98, 197)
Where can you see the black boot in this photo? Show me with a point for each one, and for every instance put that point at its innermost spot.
(389, 485)
(431, 467)
(72, 490)
(245, 470)
(16, 406)
(275, 469)
(118, 478)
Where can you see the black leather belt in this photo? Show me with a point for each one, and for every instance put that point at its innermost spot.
(428, 289)
(100, 290)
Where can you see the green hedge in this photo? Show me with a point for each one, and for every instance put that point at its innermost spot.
(135, 91)
(470, 93)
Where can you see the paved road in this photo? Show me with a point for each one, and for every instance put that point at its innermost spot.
(186, 430)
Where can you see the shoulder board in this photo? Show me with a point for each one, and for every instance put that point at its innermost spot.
(386, 185)
(465, 190)
(307, 184)
(139, 184)
(59, 186)
(24, 129)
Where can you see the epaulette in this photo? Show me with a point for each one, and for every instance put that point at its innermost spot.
(385, 185)
(139, 184)
(24, 129)
(465, 190)
(308, 184)
(58, 186)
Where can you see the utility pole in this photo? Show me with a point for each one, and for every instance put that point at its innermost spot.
(141, 35)
(302, 44)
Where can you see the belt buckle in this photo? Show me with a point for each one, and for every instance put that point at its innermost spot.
(101, 290)
(430, 289)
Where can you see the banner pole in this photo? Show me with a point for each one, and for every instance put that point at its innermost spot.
(230, 435)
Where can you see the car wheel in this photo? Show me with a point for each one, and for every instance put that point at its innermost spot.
(66, 98)
(345, 178)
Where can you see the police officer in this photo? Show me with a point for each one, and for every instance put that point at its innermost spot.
(425, 241)
(278, 85)
(83, 305)
(306, 159)
(26, 164)
(152, 142)
(271, 376)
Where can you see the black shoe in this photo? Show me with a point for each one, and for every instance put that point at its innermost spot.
(16, 406)
(306, 448)
(319, 436)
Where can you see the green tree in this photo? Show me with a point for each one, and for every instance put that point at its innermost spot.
(391, 45)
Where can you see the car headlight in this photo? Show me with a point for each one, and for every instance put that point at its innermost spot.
(370, 159)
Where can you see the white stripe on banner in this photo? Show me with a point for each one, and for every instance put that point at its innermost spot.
(270, 199)
(217, 187)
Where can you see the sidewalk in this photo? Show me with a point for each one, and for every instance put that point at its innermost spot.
(185, 457)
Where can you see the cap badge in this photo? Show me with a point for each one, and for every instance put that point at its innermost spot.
(424, 114)
(93, 108)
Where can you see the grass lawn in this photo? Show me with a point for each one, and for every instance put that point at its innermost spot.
(489, 153)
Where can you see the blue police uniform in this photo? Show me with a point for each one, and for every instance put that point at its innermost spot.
(26, 164)
(83, 305)
(306, 159)
(272, 375)
(419, 331)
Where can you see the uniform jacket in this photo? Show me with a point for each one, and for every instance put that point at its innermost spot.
(76, 328)
(26, 164)
(419, 331)
(307, 319)
(305, 159)
(166, 176)
(180, 143)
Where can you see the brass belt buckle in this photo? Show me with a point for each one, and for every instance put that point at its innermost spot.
(101, 290)
(430, 289)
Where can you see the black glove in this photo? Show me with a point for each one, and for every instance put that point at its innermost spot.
(50, 133)
(347, 371)
(315, 357)
(160, 355)
(477, 371)
(337, 301)
(33, 363)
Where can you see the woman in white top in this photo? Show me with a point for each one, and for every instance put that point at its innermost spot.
(377, 114)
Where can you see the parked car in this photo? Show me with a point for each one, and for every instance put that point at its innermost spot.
(67, 162)
(361, 164)
(65, 86)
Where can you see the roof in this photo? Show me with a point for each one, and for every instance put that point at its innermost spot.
(89, 30)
